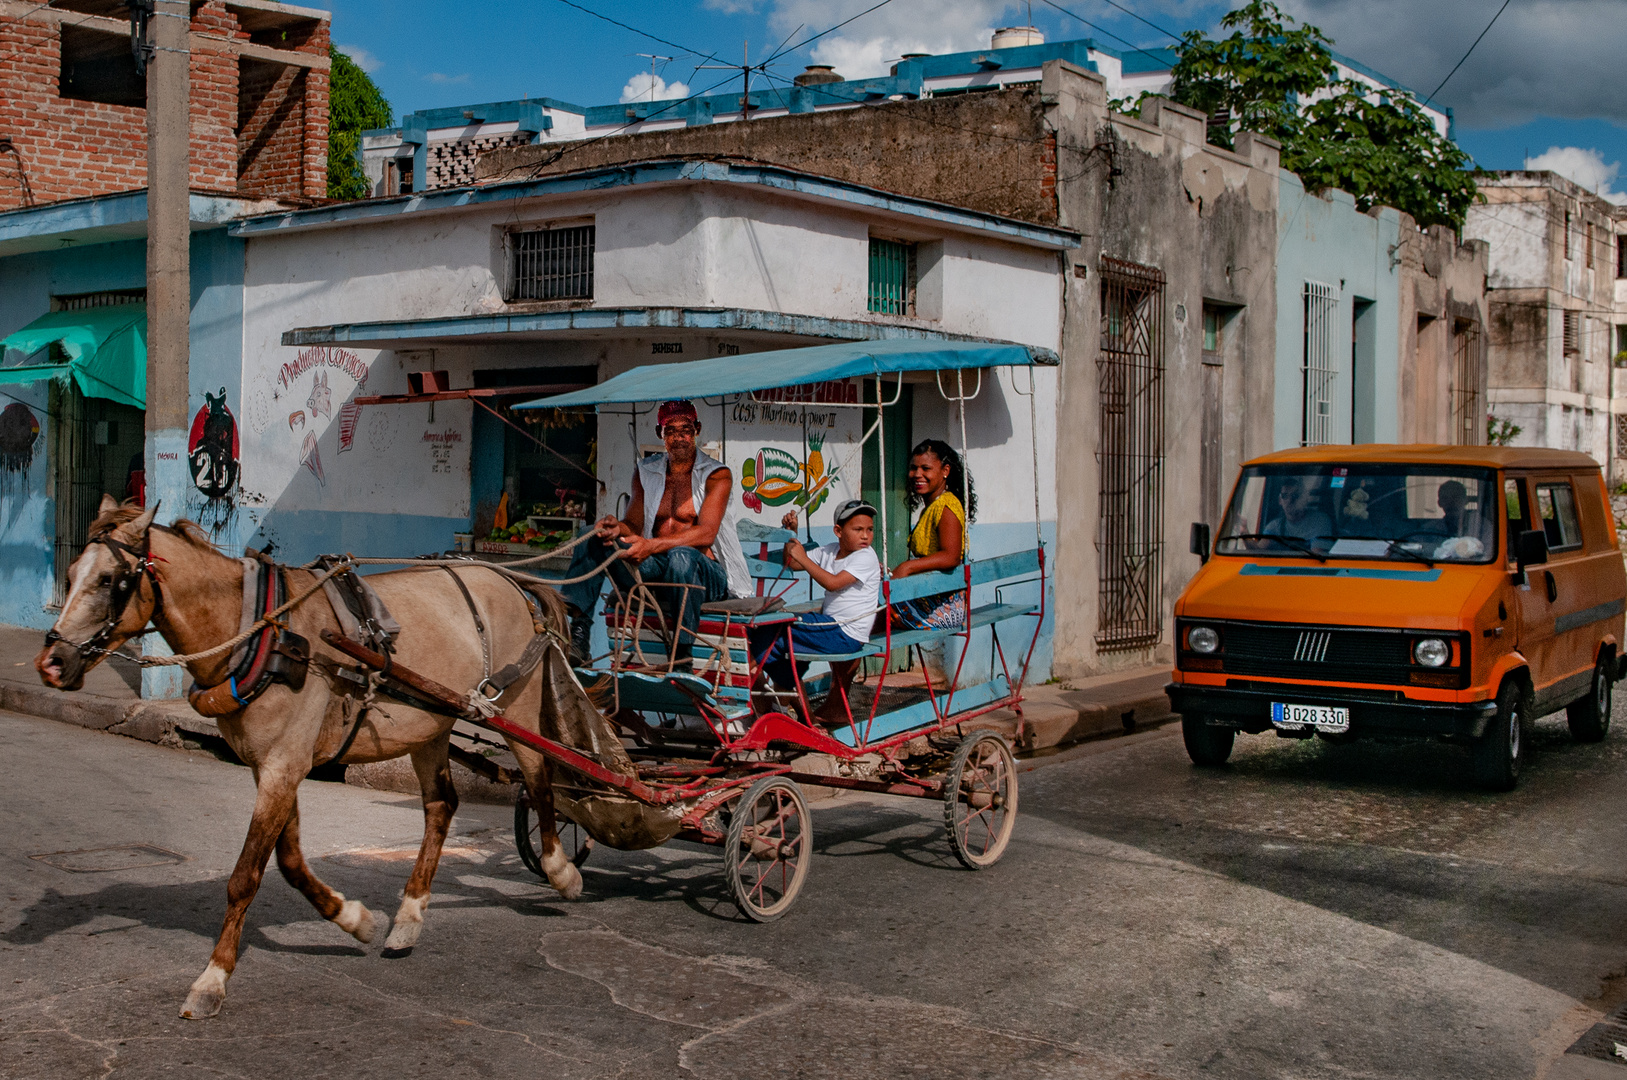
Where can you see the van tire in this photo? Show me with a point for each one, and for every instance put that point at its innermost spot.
(1589, 717)
(1499, 756)
(1207, 745)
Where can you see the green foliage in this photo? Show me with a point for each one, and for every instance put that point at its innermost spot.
(355, 105)
(1501, 432)
(1379, 145)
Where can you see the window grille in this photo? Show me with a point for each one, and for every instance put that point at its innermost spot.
(1590, 245)
(892, 277)
(1621, 256)
(1130, 389)
(110, 298)
(1567, 234)
(553, 264)
(1321, 305)
(1468, 411)
(1570, 333)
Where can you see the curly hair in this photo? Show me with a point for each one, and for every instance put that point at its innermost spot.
(959, 482)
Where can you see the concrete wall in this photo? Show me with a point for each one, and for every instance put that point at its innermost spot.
(1153, 193)
(986, 151)
(1443, 308)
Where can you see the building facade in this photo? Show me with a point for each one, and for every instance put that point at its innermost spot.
(1557, 291)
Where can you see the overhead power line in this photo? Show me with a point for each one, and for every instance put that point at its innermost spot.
(1174, 37)
(1459, 64)
(822, 33)
(636, 30)
(1095, 26)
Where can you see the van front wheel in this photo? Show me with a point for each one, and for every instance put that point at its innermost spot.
(1590, 717)
(1499, 756)
(1206, 744)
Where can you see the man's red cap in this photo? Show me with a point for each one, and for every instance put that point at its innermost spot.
(672, 410)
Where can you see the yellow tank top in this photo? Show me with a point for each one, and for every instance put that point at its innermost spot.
(924, 537)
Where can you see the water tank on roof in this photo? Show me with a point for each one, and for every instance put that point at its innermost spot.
(1012, 37)
(817, 74)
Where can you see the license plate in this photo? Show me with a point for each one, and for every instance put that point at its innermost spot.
(1321, 717)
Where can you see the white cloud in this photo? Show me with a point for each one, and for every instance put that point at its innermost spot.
(1585, 167)
(1542, 58)
(647, 87)
(361, 58)
(438, 77)
(731, 7)
(868, 47)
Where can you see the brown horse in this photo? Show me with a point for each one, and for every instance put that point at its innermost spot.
(133, 573)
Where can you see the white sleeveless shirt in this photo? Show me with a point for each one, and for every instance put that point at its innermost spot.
(652, 472)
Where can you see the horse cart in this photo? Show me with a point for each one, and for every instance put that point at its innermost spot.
(705, 751)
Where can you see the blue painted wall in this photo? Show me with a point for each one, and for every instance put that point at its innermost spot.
(1325, 239)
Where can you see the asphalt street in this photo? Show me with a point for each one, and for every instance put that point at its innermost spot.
(1311, 911)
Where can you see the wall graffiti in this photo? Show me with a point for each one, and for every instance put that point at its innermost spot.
(212, 447)
(19, 430)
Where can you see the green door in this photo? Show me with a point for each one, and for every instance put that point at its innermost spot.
(896, 423)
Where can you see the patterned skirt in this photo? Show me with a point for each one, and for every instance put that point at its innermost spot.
(945, 611)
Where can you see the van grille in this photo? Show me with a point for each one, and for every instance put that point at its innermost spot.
(1308, 652)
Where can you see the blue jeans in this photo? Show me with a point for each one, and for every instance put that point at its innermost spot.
(811, 633)
(679, 566)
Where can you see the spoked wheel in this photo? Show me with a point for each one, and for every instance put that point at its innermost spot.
(769, 843)
(980, 800)
(528, 836)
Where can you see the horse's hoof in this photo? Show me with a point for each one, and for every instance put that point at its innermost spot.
(571, 887)
(355, 920)
(207, 994)
(403, 937)
(409, 922)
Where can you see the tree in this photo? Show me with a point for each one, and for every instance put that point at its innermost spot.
(355, 105)
(1280, 80)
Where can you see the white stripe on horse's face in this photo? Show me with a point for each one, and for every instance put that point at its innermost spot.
(86, 606)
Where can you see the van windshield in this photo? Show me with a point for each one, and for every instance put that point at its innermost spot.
(1408, 513)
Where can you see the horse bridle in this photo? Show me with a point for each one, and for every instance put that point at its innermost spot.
(134, 564)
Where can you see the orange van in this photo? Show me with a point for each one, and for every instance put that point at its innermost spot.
(1450, 592)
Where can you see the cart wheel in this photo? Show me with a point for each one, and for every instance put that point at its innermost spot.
(980, 800)
(528, 836)
(769, 843)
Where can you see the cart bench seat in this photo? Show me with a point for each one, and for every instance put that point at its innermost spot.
(677, 693)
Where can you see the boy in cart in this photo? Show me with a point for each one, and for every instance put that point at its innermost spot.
(850, 574)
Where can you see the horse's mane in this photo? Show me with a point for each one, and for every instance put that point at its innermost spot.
(129, 510)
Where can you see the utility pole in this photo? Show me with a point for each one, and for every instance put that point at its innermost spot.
(159, 37)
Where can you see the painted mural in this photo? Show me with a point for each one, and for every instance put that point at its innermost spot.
(775, 477)
(213, 448)
(19, 431)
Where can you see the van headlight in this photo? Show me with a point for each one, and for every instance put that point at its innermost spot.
(1203, 639)
(1432, 652)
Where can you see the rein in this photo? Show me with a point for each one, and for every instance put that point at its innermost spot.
(126, 583)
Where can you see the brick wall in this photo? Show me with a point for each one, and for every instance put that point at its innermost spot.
(73, 149)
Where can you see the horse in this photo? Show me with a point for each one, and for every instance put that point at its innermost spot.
(133, 573)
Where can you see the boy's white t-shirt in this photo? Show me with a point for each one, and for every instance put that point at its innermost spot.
(852, 608)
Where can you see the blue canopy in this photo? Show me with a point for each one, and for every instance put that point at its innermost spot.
(720, 375)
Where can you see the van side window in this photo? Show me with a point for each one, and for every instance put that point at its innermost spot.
(1517, 512)
(1557, 508)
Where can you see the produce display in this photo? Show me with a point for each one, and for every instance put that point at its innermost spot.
(523, 533)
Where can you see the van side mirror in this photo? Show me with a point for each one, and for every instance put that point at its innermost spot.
(1531, 548)
(1200, 540)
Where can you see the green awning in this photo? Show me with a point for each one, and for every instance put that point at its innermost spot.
(106, 349)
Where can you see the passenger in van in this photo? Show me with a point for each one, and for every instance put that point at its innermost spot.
(1298, 516)
(1452, 497)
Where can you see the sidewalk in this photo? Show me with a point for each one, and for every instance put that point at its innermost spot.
(1056, 714)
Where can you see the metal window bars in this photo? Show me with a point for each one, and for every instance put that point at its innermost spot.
(1468, 371)
(552, 264)
(892, 277)
(1321, 309)
(1130, 458)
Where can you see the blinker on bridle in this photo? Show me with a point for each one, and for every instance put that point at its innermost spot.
(133, 565)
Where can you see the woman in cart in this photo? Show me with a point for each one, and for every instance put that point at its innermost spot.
(941, 488)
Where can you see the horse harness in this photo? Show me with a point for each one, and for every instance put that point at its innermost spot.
(274, 654)
(134, 564)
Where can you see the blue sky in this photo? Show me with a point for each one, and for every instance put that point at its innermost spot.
(1544, 77)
